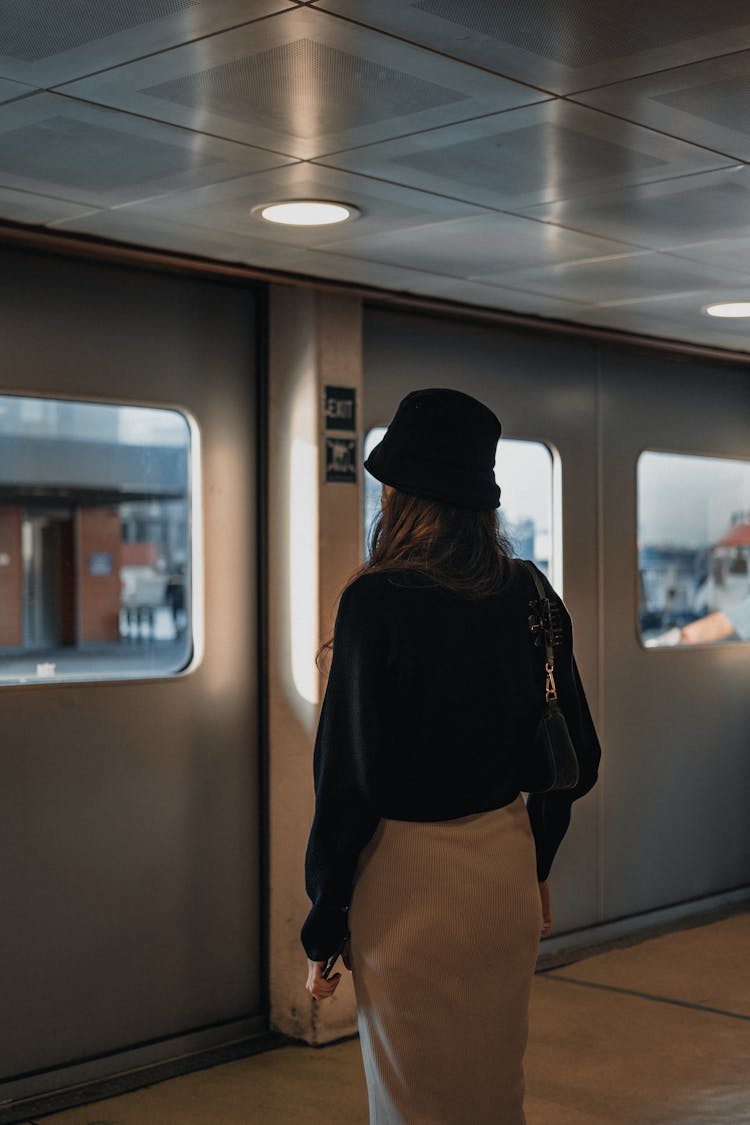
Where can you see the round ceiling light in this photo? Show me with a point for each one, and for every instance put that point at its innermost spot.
(731, 308)
(307, 212)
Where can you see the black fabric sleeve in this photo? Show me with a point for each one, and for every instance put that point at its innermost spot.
(345, 767)
(549, 813)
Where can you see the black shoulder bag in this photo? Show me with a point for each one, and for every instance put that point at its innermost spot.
(551, 761)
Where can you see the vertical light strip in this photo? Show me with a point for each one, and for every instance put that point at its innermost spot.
(197, 574)
(557, 570)
(303, 541)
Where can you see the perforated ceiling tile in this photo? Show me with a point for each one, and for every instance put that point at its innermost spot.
(474, 247)
(10, 90)
(553, 150)
(303, 83)
(55, 146)
(229, 206)
(524, 156)
(354, 271)
(126, 224)
(32, 32)
(627, 277)
(676, 318)
(706, 103)
(720, 103)
(579, 34)
(723, 253)
(26, 207)
(561, 45)
(106, 159)
(45, 42)
(273, 88)
(498, 297)
(664, 215)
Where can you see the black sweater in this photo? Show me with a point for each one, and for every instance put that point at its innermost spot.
(431, 698)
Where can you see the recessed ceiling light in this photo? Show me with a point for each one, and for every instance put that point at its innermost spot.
(731, 308)
(307, 212)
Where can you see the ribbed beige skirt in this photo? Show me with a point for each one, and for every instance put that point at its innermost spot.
(445, 923)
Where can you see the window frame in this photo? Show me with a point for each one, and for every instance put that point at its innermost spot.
(195, 635)
(700, 646)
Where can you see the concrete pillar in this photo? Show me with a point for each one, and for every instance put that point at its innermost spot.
(315, 542)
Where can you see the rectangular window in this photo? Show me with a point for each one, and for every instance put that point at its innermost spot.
(524, 471)
(693, 549)
(95, 541)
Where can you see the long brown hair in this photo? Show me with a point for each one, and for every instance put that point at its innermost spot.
(465, 551)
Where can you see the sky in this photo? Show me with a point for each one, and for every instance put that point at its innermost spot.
(689, 501)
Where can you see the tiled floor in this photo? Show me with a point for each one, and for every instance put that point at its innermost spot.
(658, 1032)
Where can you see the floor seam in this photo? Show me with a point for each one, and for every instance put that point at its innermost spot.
(650, 996)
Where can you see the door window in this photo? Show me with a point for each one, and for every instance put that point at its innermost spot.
(693, 549)
(96, 570)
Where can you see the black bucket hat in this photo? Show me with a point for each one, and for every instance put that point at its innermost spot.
(440, 445)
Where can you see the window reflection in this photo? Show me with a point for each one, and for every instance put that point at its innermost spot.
(94, 540)
(693, 549)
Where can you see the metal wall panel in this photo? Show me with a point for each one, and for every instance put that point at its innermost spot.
(130, 810)
(665, 822)
(675, 721)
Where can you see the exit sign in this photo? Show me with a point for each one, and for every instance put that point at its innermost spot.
(340, 408)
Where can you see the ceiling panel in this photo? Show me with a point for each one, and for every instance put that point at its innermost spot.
(384, 208)
(27, 207)
(677, 318)
(561, 45)
(497, 297)
(45, 42)
(724, 253)
(664, 215)
(545, 152)
(708, 103)
(303, 83)
(126, 224)
(625, 277)
(477, 246)
(10, 90)
(57, 146)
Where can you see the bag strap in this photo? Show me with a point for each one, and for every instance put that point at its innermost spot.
(536, 626)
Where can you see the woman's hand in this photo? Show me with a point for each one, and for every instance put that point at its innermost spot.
(546, 910)
(318, 987)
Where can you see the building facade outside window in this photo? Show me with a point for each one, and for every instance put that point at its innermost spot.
(95, 540)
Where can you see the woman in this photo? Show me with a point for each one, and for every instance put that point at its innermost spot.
(421, 846)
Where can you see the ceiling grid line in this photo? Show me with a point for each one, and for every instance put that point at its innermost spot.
(313, 7)
(60, 87)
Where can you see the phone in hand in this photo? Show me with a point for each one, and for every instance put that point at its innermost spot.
(333, 959)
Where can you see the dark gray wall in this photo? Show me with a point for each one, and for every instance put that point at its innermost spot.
(666, 822)
(129, 828)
